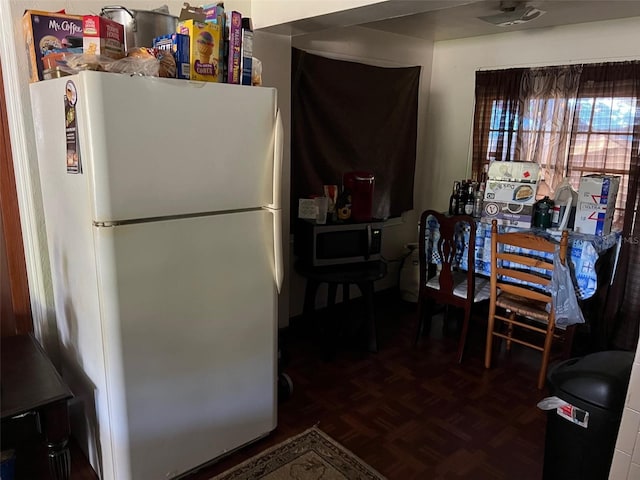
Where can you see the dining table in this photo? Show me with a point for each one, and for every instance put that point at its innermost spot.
(584, 252)
(592, 262)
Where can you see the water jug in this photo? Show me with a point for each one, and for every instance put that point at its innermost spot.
(542, 211)
(565, 198)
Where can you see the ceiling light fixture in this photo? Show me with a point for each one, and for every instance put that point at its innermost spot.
(513, 13)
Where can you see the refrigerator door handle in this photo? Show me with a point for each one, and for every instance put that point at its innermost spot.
(277, 161)
(278, 261)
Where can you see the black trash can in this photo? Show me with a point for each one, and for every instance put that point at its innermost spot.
(581, 435)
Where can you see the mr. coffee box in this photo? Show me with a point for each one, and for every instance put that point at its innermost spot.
(102, 36)
(597, 196)
(204, 41)
(510, 193)
(178, 45)
(47, 32)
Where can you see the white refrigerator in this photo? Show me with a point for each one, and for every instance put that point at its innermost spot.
(161, 201)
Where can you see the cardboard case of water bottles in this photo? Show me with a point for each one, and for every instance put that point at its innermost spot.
(510, 193)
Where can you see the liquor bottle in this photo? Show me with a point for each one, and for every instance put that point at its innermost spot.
(462, 198)
(469, 202)
(478, 203)
(453, 199)
(484, 177)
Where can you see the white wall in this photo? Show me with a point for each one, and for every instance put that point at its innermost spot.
(364, 45)
(450, 124)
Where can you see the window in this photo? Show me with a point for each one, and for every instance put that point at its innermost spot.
(603, 125)
(571, 120)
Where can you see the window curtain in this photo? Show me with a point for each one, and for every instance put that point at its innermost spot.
(604, 124)
(548, 100)
(604, 82)
(350, 116)
(495, 129)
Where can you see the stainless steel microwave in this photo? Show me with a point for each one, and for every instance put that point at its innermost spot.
(337, 243)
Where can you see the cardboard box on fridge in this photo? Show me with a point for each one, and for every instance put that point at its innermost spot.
(597, 196)
(178, 45)
(102, 36)
(46, 32)
(204, 41)
(510, 193)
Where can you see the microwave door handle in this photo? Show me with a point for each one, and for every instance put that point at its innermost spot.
(369, 239)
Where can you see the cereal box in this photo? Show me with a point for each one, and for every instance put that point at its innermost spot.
(178, 45)
(597, 196)
(102, 36)
(204, 40)
(47, 32)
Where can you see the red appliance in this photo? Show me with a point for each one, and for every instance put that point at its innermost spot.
(360, 185)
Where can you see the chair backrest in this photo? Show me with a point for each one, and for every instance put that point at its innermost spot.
(522, 263)
(443, 239)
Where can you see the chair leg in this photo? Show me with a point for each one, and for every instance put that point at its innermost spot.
(545, 357)
(463, 333)
(569, 333)
(490, 326)
(512, 316)
(332, 325)
(424, 317)
(309, 307)
(420, 318)
(445, 319)
(366, 288)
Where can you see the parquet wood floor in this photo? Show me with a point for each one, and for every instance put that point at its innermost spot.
(409, 411)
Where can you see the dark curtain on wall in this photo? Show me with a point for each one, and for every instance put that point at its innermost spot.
(349, 116)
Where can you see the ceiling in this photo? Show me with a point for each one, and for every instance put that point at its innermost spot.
(462, 21)
(450, 19)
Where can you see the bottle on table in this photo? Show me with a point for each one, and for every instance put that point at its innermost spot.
(462, 198)
(454, 199)
(478, 204)
(484, 177)
(470, 200)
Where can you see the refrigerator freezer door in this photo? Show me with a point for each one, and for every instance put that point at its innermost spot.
(278, 149)
(189, 321)
(155, 147)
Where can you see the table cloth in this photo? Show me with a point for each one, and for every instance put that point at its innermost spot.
(584, 251)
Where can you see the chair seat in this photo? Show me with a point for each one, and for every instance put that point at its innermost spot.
(482, 290)
(523, 306)
(532, 310)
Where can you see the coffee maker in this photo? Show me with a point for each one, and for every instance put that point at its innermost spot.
(360, 185)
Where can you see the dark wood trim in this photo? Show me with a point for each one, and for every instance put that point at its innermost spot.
(16, 317)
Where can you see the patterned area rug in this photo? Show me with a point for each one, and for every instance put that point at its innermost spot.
(311, 455)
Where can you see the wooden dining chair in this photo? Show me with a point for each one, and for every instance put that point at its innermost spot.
(443, 245)
(518, 311)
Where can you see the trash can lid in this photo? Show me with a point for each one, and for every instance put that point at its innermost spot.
(600, 378)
